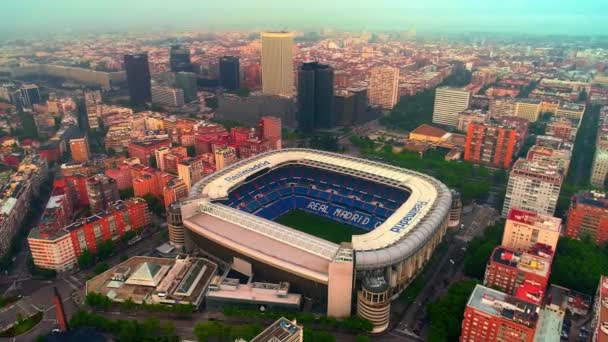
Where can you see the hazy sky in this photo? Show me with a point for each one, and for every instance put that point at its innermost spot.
(584, 17)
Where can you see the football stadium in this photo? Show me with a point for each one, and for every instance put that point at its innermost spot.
(343, 231)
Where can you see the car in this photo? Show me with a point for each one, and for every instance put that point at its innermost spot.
(55, 331)
(452, 261)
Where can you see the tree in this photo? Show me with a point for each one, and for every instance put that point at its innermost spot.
(105, 249)
(205, 331)
(578, 264)
(29, 126)
(153, 162)
(324, 142)
(126, 193)
(446, 313)
(85, 259)
(479, 250)
(154, 204)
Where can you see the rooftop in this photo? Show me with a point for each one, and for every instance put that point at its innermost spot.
(281, 330)
(534, 219)
(429, 130)
(504, 306)
(522, 261)
(591, 198)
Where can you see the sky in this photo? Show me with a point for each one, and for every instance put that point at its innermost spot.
(572, 17)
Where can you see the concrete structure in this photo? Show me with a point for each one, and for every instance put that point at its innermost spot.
(223, 157)
(456, 210)
(105, 80)
(167, 96)
(190, 170)
(79, 148)
(383, 90)
(528, 109)
(599, 168)
(533, 186)
(374, 302)
(560, 156)
(283, 330)
(394, 250)
(179, 59)
(493, 316)
(449, 102)
(270, 128)
(175, 225)
(599, 321)
(102, 191)
(277, 63)
(145, 149)
(571, 111)
(588, 216)
(58, 249)
(503, 106)
(525, 229)
(183, 280)
(251, 108)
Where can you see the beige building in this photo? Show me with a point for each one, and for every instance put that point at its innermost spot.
(79, 149)
(524, 229)
(190, 171)
(224, 156)
(528, 109)
(533, 186)
(599, 168)
(277, 63)
(383, 90)
(570, 110)
(449, 103)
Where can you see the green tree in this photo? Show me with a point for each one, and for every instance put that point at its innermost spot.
(446, 314)
(105, 249)
(152, 162)
(126, 193)
(101, 267)
(208, 331)
(85, 259)
(154, 204)
(480, 249)
(578, 264)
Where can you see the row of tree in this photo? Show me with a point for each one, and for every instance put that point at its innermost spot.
(101, 302)
(446, 313)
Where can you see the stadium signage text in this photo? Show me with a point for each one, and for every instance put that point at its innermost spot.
(405, 221)
(247, 171)
(343, 214)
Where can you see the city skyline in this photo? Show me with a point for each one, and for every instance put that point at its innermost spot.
(542, 17)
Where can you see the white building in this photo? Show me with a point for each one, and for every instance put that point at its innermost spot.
(449, 102)
(383, 90)
(167, 96)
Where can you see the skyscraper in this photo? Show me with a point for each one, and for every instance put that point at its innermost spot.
(384, 87)
(229, 72)
(186, 81)
(277, 63)
(138, 78)
(179, 59)
(315, 96)
(449, 102)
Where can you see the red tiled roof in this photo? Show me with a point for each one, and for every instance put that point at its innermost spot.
(429, 130)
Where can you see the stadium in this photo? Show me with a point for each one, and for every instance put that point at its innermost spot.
(339, 229)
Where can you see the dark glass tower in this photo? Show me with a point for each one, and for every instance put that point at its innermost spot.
(179, 59)
(138, 78)
(315, 97)
(229, 72)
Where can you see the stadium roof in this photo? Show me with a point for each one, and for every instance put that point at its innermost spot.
(400, 236)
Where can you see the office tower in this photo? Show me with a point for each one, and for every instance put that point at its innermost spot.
(533, 186)
(494, 144)
(270, 129)
(528, 109)
(383, 90)
(600, 312)
(29, 95)
(190, 170)
(588, 216)
(138, 78)
(92, 98)
(525, 229)
(224, 156)
(79, 149)
(186, 81)
(102, 190)
(493, 316)
(179, 59)
(167, 96)
(344, 107)
(277, 63)
(449, 102)
(229, 72)
(599, 168)
(315, 97)
(513, 272)
(361, 104)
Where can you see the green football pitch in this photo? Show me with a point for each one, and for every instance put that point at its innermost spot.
(319, 226)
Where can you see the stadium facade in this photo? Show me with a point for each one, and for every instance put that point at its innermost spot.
(403, 216)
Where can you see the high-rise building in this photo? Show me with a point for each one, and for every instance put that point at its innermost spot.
(599, 168)
(599, 321)
(229, 73)
(167, 96)
(449, 102)
(277, 63)
(29, 95)
(508, 271)
(79, 149)
(186, 81)
(224, 156)
(588, 216)
(493, 316)
(528, 109)
(138, 78)
(494, 144)
(270, 129)
(92, 98)
(383, 90)
(344, 108)
(190, 170)
(102, 191)
(525, 229)
(315, 97)
(179, 59)
(533, 186)
(559, 156)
